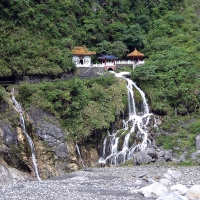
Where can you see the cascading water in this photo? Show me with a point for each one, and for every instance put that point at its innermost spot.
(135, 123)
(30, 142)
(77, 148)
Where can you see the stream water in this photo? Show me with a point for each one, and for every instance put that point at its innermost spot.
(135, 128)
(78, 150)
(23, 126)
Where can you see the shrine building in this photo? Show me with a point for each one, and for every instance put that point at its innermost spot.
(82, 57)
(136, 56)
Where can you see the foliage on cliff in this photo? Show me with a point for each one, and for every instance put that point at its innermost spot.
(36, 35)
(81, 106)
(171, 73)
(36, 38)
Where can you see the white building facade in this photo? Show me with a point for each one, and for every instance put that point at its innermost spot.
(82, 61)
(82, 58)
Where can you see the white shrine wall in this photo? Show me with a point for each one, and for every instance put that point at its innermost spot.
(82, 61)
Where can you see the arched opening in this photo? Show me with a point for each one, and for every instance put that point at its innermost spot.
(81, 61)
(110, 69)
(4, 81)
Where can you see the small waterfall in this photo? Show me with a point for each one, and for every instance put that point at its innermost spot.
(23, 126)
(104, 147)
(135, 123)
(126, 140)
(77, 148)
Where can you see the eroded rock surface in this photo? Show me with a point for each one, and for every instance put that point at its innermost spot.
(54, 158)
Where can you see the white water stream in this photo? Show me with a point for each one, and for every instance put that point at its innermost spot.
(136, 123)
(30, 142)
(77, 148)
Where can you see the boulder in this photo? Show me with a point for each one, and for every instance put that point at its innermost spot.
(182, 158)
(161, 153)
(140, 158)
(158, 122)
(195, 155)
(151, 151)
(193, 193)
(179, 189)
(198, 141)
(50, 133)
(168, 155)
(169, 196)
(172, 174)
(166, 182)
(154, 190)
(139, 182)
(10, 175)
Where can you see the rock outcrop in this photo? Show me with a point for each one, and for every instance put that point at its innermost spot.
(54, 156)
(10, 175)
(198, 141)
(52, 150)
(153, 154)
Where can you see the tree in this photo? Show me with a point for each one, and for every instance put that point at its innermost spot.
(118, 49)
(133, 37)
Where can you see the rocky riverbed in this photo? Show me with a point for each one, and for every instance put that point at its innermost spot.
(162, 182)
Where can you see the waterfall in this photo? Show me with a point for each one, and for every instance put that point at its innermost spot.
(23, 126)
(135, 123)
(77, 148)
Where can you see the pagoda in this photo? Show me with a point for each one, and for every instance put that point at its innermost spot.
(136, 55)
(82, 56)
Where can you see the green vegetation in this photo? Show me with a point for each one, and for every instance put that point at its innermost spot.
(179, 135)
(82, 106)
(2, 92)
(37, 36)
(170, 75)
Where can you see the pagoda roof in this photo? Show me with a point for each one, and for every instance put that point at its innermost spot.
(82, 50)
(135, 53)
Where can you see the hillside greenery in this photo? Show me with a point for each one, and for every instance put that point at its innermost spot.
(37, 37)
(82, 106)
(170, 75)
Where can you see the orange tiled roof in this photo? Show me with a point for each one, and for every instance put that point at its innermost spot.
(135, 53)
(82, 50)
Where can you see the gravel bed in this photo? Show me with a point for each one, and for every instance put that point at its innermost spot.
(115, 183)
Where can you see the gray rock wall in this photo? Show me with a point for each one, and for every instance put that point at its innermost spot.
(54, 159)
(54, 156)
(85, 72)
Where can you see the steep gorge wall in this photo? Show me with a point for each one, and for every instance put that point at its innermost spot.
(55, 156)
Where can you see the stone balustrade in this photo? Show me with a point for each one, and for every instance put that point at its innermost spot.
(109, 63)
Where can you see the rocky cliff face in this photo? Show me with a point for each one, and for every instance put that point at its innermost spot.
(55, 156)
